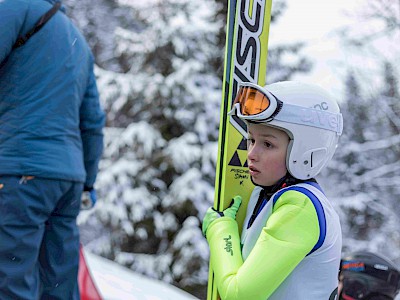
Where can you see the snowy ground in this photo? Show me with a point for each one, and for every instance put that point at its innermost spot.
(116, 282)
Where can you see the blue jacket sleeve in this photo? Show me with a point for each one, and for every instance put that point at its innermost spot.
(92, 119)
(12, 19)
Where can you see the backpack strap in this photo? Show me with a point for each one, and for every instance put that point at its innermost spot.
(39, 24)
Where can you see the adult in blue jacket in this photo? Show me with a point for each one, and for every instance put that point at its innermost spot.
(50, 144)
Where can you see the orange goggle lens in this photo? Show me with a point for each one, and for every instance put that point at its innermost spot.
(251, 100)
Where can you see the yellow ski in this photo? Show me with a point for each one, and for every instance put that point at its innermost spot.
(246, 53)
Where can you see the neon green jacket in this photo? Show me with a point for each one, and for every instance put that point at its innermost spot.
(290, 233)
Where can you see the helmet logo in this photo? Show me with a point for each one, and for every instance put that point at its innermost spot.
(314, 117)
(353, 266)
(381, 267)
(321, 106)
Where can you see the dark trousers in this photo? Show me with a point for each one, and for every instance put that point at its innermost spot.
(39, 238)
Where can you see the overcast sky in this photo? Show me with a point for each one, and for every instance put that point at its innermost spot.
(317, 22)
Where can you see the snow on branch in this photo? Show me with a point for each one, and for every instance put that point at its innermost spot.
(375, 173)
(371, 145)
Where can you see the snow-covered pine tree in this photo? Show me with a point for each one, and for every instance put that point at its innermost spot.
(157, 174)
(366, 170)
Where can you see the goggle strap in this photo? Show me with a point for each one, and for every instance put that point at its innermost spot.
(279, 106)
(297, 115)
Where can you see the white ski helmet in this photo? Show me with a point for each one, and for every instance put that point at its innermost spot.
(306, 112)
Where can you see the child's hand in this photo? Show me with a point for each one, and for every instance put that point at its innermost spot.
(212, 214)
(233, 208)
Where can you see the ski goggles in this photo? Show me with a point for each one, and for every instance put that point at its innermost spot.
(256, 104)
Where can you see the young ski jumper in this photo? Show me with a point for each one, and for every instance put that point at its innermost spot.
(290, 246)
(50, 144)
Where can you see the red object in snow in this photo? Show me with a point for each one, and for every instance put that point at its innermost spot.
(87, 288)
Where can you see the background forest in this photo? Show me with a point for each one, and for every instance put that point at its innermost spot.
(159, 69)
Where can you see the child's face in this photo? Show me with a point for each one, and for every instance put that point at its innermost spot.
(266, 154)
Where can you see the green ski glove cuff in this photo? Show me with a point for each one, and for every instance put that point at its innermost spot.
(210, 216)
